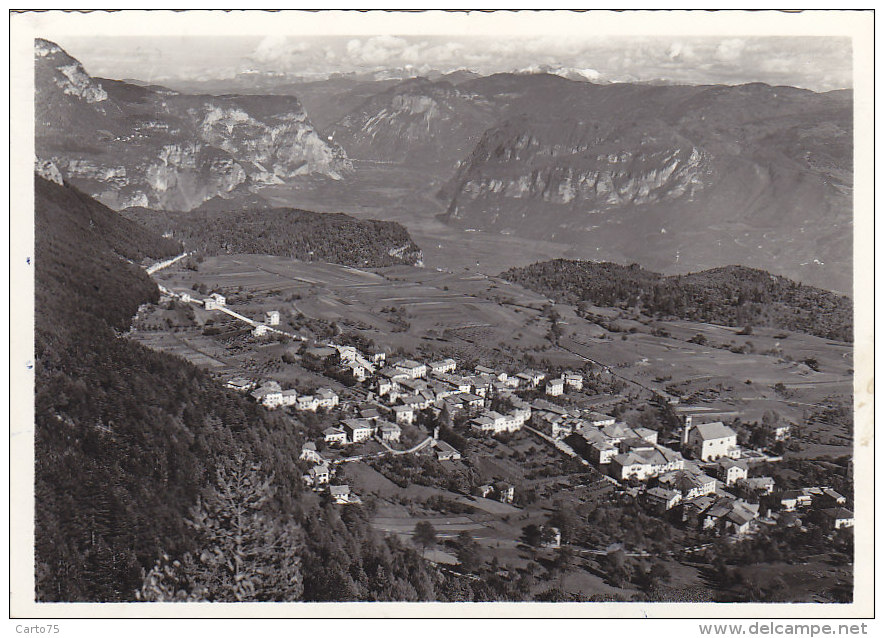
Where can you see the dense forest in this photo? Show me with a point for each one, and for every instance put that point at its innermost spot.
(731, 295)
(139, 455)
(286, 232)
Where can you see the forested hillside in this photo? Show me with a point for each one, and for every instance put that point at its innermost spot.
(127, 440)
(287, 232)
(731, 296)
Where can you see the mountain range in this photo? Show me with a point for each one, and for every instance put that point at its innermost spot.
(131, 145)
(676, 178)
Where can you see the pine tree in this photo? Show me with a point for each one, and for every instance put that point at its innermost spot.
(245, 554)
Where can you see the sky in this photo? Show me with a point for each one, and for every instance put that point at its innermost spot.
(812, 62)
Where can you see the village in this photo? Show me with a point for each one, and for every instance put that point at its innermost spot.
(697, 473)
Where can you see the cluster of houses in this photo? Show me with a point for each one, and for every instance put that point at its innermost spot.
(828, 503)
(320, 474)
(271, 395)
(704, 478)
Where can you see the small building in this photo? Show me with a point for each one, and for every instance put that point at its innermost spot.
(662, 499)
(531, 378)
(327, 398)
(342, 495)
(358, 430)
(781, 431)
(260, 330)
(646, 434)
(446, 452)
(306, 403)
(555, 387)
(444, 366)
(573, 380)
(289, 397)
(404, 414)
(271, 318)
(318, 475)
(389, 432)
(551, 537)
(309, 453)
(220, 299)
(689, 484)
(505, 492)
(831, 497)
(240, 384)
(471, 400)
(758, 484)
(412, 369)
(710, 441)
(334, 435)
(599, 420)
(357, 370)
(602, 452)
(731, 471)
(268, 397)
(792, 499)
(839, 517)
(484, 490)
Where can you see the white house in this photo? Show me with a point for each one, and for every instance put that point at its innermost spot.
(691, 485)
(318, 475)
(599, 420)
(491, 422)
(342, 495)
(358, 370)
(289, 397)
(268, 397)
(389, 432)
(358, 429)
(644, 464)
(442, 367)
(260, 330)
(309, 453)
(334, 435)
(404, 414)
(327, 398)
(839, 517)
(240, 385)
(412, 369)
(555, 387)
(271, 318)
(220, 299)
(446, 452)
(731, 471)
(307, 403)
(573, 380)
(710, 441)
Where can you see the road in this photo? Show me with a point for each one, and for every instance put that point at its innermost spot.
(353, 459)
(165, 264)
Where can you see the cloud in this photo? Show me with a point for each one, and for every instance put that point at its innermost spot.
(730, 50)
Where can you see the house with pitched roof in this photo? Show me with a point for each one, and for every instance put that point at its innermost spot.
(710, 441)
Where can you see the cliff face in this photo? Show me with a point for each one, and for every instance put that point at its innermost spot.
(130, 145)
(577, 166)
(418, 122)
(670, 177)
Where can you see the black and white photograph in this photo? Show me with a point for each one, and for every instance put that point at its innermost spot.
(442, 308)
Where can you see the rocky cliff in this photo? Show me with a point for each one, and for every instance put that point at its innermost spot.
(672, 177)
(415, 122)
(131, 145)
